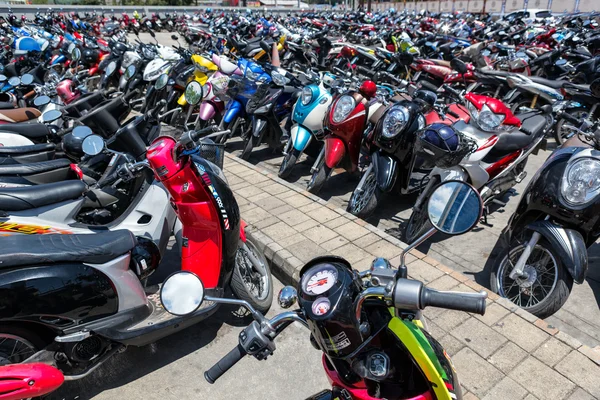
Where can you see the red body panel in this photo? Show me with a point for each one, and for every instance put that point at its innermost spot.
(201, 250)
(502, 164)
(334, 151)
(20, 381)
(432, 116)
(497, 107)
(350, 132)
(64, 91)
(359, 391)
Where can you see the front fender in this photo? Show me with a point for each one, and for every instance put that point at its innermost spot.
(569, 245)
(233, 110)
(334, 151)
(300, 137)
(207, 111)
(511, 96)
(385, 169)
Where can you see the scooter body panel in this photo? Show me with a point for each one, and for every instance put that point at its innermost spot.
(12, 139)
(334, 151)
(301, 137)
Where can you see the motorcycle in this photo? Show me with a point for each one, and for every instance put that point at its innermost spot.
(368, 348)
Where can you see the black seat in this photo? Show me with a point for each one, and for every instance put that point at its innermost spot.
(25, 198)
(32, 148)
(494, 72)
(34, 168)
(30, 130)
(5, 105)
(547, 82)
(581, 88)
(508, 142)
(93, 248)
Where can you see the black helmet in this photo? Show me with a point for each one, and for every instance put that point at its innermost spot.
(441, 145)
(426, 98)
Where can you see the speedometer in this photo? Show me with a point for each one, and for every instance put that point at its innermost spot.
(319, 279)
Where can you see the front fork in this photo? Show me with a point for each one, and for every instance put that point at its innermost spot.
(519, 269)
(318, 161)
(249, 253)
(359, 187)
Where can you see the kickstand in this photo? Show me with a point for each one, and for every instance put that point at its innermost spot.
(484, 218)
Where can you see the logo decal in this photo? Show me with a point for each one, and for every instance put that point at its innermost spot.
(14, 227)
(206, 179)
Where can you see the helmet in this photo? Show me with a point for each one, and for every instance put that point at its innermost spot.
(425, 98)
(441, 145)
(368, 89)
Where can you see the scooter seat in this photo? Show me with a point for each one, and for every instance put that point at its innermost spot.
(495, 73)
(19, 114)
(442, 63)
(581, 88)
(32, 131)
(95, 248)
(509, 142)
(548, 82)
(33, 168)
(5, 105)
(26, 198)
(19, 150)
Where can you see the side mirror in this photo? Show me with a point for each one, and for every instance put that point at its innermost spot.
(3, 78)
(93, 145)
(81, 132)
(27, 79)
(51, 116)
(161, 82)
(174, 37)
(76, 54)
(151, 32)
(41, 101)
(14, 81)
(287, 297)
(458, 65)
(193, 92)
(454, 207)
(265, 46)
(595, 88)
(182, 293)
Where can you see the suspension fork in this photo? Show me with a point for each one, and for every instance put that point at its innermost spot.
(518, 270)
(315, 166)
(359, 187)
(425, 194)
(534, 101)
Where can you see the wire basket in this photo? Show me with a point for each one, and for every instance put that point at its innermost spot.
(213, 152)
(450, 159)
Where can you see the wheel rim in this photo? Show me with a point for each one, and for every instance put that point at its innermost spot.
(542, 277)
(14, 349)
(359, 200)
(564, 131)
(257, 284)
(418, 222)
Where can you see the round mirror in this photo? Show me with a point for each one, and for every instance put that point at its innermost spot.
(51, 116)
(92, 145)
(182, 293)
(81, 132)
(14, 81)
(76, 54)
(129, 72)
(41, 101)
(193, 92)
(161, 82)
(27, 79)
(595, 88)
(110, 68)
(71, 48)
(562, 61)
(3, 78)
(454, 207)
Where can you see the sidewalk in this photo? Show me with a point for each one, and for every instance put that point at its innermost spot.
(506, 354)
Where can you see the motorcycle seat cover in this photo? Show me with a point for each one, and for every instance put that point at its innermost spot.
(547, 82)
(32, 131)
(34, 168)
(19, 114)
(93, 248)
(509, 142)
(583, 88)
(33, 148)
(25, 198)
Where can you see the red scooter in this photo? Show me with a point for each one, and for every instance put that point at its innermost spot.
(24, 381)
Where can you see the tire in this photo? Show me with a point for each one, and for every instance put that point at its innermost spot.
(366, 204)
(242, 275)
(14, 334)
(559, 135)
(417, 225)
(248, 146)
(556, 296)
(288, 163)
(318, 179)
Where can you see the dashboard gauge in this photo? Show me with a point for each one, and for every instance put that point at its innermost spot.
(321, 306)
(319, 279)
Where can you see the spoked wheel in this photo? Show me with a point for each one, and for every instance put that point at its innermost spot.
(251, 280)
(561, 132)
(17, 345)
(363, 203)
(545, 285)
(417, 225)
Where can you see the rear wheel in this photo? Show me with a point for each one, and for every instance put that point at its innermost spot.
(251, 279)
(18, 344)
(249, 143)
(561, 132)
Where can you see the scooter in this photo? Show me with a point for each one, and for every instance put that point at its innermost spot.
(24, 381)
(369, 325)
(105, 273)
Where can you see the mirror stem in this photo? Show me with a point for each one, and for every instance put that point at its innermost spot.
(417, 242)
(257, 316)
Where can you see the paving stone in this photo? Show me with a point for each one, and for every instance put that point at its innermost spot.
(271, 249)
(320, 234)
(582, 371)
(240, 185)
(269, 202)
(246, 208)
(444, 282)
(591, 353)
(351, 253)
(274, 188)
(384, 249)
(281, 210)
(279, 231)
(263, 223)
(451, 344)
(552, 352)
(540, 380)
(323, 214)
(248, 191)
(309, 223)
(334, 243)
(422, 271)
(298, 200)
(280, 257)
(527, 316)
(261, 196)
(255, 214)
(476, 374)
(493, 313)
(256, 178)
(469, 396)
(236, 169)
(290, 240)
(351, 231)
(334, 223)
(431, 261)
(521, 332)
(366, 240)
(530, 397)
(286, 193)
(306, 250)
(309, 207)
(507, 357)
(293, 217)
(506, 389)
(479, 337)
(245, 173)
(447, 319)
(568, 340)
(580, 394)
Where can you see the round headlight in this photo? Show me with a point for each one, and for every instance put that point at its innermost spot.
(394, 121)
(306, 95)
(343, 108)
(581, 181)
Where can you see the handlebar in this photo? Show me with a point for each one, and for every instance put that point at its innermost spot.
(224, 364)
(130, 95)
(468, 302)
(572, 119)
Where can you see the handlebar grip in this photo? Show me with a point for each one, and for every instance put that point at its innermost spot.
(130, 95)
(224, 364)
(468, 302)
(109, 180)
(29, 94)
(428, 86)
(570, 118)
(451, 90)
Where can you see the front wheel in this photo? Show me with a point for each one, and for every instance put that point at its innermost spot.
(251, 279)
(249, 144)
(417, 225)
(364, 202)
(318, 179)
(545, 286)
(288, 163)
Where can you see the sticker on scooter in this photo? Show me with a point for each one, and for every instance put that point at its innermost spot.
(215, 194)
(338, 342)
(14, 227)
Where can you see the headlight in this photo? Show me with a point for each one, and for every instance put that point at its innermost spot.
(279, 79)
(251, 74)
(128, 59)
(55, 41)
(581, 181)
(129, 72)
(263, 109)
(488, 121)
(343, 108)
(394, 121)
(307, 95)
(472, 110)
(152, 75)
(111, 68)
